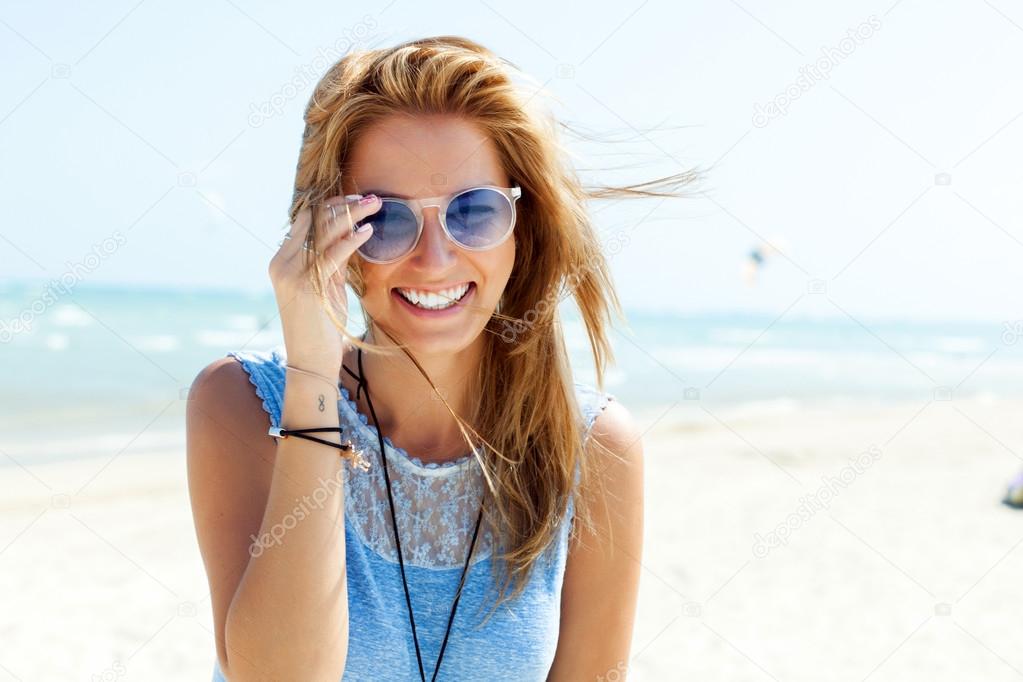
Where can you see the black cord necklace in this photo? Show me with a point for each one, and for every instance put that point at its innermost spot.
(363, 384)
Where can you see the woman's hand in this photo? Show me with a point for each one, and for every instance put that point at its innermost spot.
(310, 337)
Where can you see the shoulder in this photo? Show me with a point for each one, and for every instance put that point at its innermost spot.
(613, 450)
(604, 557)
(615, 443)
(230, 461)
(224, 387)
(262, 374)
(592, 403)
(222, 378)
(607, 423)
(612, 445)
(226, 421)
(224, 415)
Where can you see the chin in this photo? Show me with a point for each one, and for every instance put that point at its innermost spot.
(425, 343)
(433, 331)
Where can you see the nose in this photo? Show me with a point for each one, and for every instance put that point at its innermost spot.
(434, 252)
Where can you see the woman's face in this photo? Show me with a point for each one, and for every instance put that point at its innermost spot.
(420, 157)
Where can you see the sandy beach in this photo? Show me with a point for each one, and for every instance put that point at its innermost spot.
(782, 544)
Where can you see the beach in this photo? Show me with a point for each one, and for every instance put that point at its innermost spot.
(786, 236)
(793, 542)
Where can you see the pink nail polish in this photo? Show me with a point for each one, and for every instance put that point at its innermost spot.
(368, 199)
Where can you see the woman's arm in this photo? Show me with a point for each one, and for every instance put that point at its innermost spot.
(598, 599)
(280, 605)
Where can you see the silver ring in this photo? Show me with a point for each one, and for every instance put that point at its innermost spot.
(333, 213)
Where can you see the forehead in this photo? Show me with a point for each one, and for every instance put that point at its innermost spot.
(424, 155)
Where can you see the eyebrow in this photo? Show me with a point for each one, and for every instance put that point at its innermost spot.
(397, 195)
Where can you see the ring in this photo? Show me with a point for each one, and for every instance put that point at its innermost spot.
(333, 213)
(286, 238)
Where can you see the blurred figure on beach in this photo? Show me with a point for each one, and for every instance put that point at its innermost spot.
(758, 257)
(1014, 495)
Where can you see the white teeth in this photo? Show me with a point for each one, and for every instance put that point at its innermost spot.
(434, 300)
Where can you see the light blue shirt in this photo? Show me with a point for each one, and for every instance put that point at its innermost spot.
(436, 507)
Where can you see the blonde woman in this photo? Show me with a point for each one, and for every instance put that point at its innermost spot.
(436, 498)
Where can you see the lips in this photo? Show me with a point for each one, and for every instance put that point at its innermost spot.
(434, 299)
(450, 309)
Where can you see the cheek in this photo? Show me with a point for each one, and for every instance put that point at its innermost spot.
(506, 255)
(501, 267)
(372, 278)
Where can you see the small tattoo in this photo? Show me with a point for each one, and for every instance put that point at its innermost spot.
(322, 406)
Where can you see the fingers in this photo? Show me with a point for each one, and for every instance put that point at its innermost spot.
(341, 240)
(337, 215)
(298, 232)
(341, 249)
(340, 214)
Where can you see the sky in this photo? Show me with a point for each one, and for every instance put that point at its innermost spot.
(871, 148)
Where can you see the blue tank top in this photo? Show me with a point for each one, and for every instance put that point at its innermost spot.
(436, 506)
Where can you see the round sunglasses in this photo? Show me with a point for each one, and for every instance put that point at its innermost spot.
(476, 219)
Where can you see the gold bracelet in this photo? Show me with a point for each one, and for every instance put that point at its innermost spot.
(337, 391)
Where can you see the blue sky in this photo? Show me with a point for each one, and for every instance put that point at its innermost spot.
(891, 187)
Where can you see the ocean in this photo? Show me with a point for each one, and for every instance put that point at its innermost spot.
(106, 370)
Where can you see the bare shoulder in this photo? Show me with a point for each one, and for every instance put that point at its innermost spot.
(230, 456)
(230, 461)
(601, 582)
(618, 434)
(614, 452)
(225, 417)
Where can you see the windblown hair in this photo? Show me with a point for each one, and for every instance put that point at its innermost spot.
(526, 423)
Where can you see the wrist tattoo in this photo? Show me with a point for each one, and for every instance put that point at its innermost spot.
(322, 406)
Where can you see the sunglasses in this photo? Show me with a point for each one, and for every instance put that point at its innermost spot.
(476, 219)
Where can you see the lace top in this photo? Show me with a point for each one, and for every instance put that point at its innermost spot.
(436, 505)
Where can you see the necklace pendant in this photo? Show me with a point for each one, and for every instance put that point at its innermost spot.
(356, 458)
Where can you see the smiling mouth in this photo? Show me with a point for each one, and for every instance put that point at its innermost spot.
(439, 300)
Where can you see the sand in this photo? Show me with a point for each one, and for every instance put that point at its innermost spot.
(866, 542)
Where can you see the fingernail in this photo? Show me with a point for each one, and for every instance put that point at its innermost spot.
(368, 199)
(364, 227)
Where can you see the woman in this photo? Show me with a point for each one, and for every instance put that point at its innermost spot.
(500, 535)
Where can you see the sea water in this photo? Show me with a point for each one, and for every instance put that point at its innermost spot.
(106, 370)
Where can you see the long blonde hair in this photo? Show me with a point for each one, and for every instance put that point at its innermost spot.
(526, 426)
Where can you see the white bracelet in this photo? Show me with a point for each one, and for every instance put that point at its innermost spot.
(318, 376)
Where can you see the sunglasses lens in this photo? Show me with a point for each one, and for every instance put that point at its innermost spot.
(394, 232)
(479, 218)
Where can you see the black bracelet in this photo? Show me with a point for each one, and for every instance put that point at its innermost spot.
(278, 432)
(348, 450)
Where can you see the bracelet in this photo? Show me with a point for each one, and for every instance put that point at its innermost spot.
(347, 449)
(318, 376)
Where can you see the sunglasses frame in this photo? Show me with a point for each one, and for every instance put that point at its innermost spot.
(511, 195)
